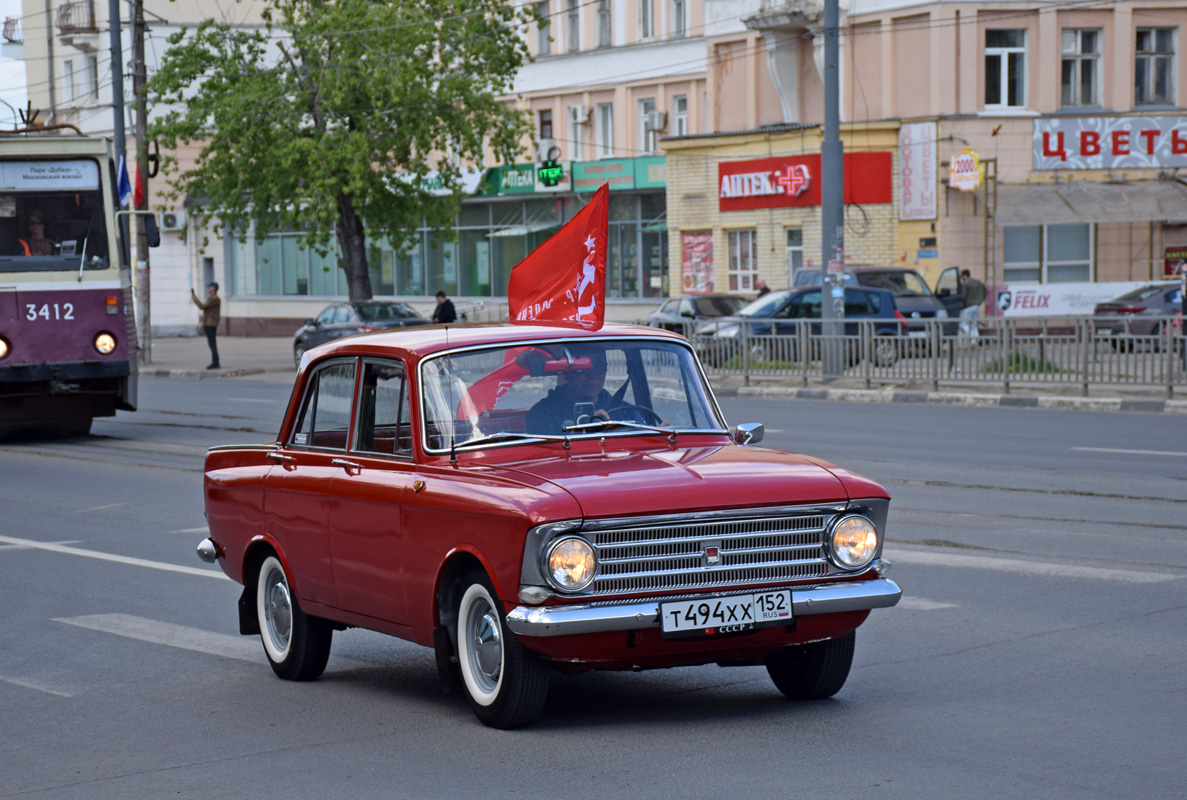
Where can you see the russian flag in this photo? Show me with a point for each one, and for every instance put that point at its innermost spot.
(125, 187)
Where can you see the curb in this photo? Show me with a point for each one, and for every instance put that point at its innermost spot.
(201, 374)
(967, 399)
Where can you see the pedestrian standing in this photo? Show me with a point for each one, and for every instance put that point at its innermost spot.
(974, 293)
(444, 312)
(762, 287)
(211, 309)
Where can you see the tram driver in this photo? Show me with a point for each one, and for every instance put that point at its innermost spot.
(36, 242)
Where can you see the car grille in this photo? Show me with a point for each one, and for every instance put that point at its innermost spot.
(679, 555)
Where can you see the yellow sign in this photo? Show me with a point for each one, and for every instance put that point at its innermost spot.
(966, 172)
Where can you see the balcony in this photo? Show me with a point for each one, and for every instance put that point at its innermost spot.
(77, 25)
(12, 41)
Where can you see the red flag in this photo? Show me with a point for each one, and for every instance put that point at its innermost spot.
(563, 281)
(138, 189)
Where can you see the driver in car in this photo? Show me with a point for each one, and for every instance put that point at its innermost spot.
(557, 409)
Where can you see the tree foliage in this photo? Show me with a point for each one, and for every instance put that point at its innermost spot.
(329, 119)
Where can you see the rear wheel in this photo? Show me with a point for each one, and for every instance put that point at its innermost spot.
(505, 682)
(297, 645)
(885, 350)
(812, 671)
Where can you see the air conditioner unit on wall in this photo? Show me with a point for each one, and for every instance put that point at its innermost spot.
(548, 150)
(655, 120)
(579, 115)
(172, 220)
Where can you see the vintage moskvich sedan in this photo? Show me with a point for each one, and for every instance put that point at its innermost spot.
(526, 499)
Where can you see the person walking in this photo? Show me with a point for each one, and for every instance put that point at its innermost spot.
(974, 294)
(210, 318)
(444, 312)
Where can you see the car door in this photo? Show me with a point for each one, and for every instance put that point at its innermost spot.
(950, 292)
(367, 494)
(296, 491)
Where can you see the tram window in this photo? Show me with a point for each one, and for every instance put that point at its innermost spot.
(73, 231)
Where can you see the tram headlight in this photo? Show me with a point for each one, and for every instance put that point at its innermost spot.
(104, 343)
(5, 348)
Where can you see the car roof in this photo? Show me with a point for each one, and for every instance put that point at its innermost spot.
(424, 340)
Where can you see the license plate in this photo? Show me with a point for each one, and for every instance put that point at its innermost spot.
(1104, 332)
(917, 333)
(734, 614)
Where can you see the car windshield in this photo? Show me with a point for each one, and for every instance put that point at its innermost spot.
(719, 305)
(899, 283)
(372, 313)
(766, 305)
(618, 387)
(1138, 295)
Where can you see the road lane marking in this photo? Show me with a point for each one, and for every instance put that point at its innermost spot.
(241, 648)
(251, 400)
(1131, 452)
(203, 529)
(100, 508)
(920, 604)
(1045, 569)
(34, 686)
(95, 554)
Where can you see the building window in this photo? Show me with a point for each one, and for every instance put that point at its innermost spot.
(544, 32)
(1155, 67)
(647, 134)
(680, 106)
(1005, 69)
(795, 253)
(573, 25)
(742, 262)
(546, 124)
(1047, 253)
(605, 130)
(1080, 67)
(605, 29)
(679, 17)
(93, 75)
(646, 19)
(68, 77)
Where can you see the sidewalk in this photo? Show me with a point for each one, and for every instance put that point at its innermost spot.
(271, 358)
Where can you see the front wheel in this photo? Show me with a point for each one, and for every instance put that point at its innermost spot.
(812, 671)
(505, 682)
(297, 645)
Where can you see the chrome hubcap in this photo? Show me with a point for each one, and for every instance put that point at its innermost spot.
(486, 645)
(278, 611)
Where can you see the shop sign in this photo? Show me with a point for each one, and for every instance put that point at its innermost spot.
(650, 173)
(794, 181)
(1052, 299)
(527, 179)
(917, 171)
(1110, 142)
(550, 173)
(1176, 262)
(618, 172)
(697, 248)
(965, 172)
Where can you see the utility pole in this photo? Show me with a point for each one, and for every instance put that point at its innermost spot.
(139, 76)
(832, 200)
(117, 91)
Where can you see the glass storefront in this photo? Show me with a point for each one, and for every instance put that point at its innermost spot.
(493, 235)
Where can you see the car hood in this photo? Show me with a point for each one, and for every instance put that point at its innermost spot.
(657, 481)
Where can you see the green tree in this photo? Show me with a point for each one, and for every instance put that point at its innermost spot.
(329, 118)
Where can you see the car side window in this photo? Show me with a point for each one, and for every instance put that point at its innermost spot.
(326, 316)
(1175, 296)
(875, 302)
(342, 314)
(810, 305)
(384, 425)
(325, 417)
(855, 304)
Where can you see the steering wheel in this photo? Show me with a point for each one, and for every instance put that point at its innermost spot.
(644, 410)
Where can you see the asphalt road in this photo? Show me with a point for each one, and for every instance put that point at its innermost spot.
(1038, 651)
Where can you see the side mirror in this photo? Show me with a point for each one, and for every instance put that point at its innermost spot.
(749, 433)
(310, 323)
(687, 313)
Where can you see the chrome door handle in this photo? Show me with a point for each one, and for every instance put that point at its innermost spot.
(346, 465)
(280, 457)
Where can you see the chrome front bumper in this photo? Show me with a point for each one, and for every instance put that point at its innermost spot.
(829, 598)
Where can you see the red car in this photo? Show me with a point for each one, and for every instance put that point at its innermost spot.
(526, 499)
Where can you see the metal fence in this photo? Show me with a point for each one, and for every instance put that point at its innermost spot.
(1007, 352)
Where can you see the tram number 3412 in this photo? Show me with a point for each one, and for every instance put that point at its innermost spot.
(49, 311)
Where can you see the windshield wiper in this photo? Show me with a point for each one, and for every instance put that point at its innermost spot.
(504, 436)
(602, 424)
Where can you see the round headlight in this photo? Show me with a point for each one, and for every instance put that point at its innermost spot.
(105, 343)
(854, 542)
(571, 564)
(5, 348)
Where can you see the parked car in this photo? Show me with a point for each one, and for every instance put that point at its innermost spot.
(765, 322)
(347, 319)
(472, 490)
(677, 313)
(1139, 313)
(912, 297)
